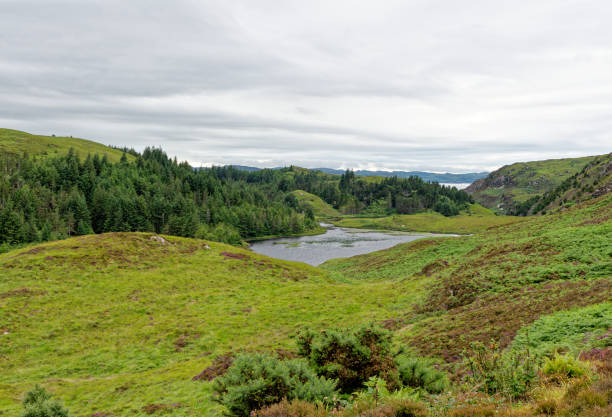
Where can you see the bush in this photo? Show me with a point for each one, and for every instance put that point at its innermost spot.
(350, 356)
(258, 380)
(419, 372)
(38, 403)
(511, 374)
(561, 368)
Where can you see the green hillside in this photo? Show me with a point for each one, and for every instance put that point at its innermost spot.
(503, 189)
(487, 286)
(119, 324)
(17, 142)
(319, 207)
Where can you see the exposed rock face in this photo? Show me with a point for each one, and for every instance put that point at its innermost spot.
(493, 180)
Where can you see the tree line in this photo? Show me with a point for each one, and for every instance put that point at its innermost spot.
(56, 197)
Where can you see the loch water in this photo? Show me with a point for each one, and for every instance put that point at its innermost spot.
(336, 242)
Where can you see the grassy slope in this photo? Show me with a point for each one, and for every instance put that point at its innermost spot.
(114, 322)
(319, 207)
(522, 180)
(17, 142)
(475, 219)
(491, 284)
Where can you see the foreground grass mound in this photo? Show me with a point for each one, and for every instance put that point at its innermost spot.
(121, 322)
(18, 143)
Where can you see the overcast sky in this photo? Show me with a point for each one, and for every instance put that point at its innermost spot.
(447, 85)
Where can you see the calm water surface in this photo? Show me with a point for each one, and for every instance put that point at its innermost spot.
(337, 242)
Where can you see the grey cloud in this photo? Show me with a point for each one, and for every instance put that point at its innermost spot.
(437, 85)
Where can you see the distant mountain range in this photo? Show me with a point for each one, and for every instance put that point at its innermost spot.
(426, 176)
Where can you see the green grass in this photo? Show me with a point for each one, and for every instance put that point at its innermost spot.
(520, 181)
(17, 142)
(567, 330)
(319, 207)
(100, 320)
(473, 220)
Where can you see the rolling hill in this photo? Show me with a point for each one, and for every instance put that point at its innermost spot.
(115, 322)
(17, 142)
(511, 185)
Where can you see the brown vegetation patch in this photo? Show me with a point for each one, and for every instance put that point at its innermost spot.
(101, 414)
(183, 341)
(392, 324)
(153, 408)
(219, 366)
(32, 251)
(232, 255)
(21, 292)
(284, 354)
(499, 316)
(433, 267)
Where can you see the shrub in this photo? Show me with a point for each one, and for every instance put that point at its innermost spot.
(511, 374)
(38, 403)
(350, 356)
(419, 372)
(561, 368)
(257, 380)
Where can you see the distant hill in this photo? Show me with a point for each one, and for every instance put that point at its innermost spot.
(426, 176)
(503, 190)
(18, 142)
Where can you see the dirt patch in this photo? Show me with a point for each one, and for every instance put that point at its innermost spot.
(219, 366)
(22, 292)
(153, 408)
(232, 255)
